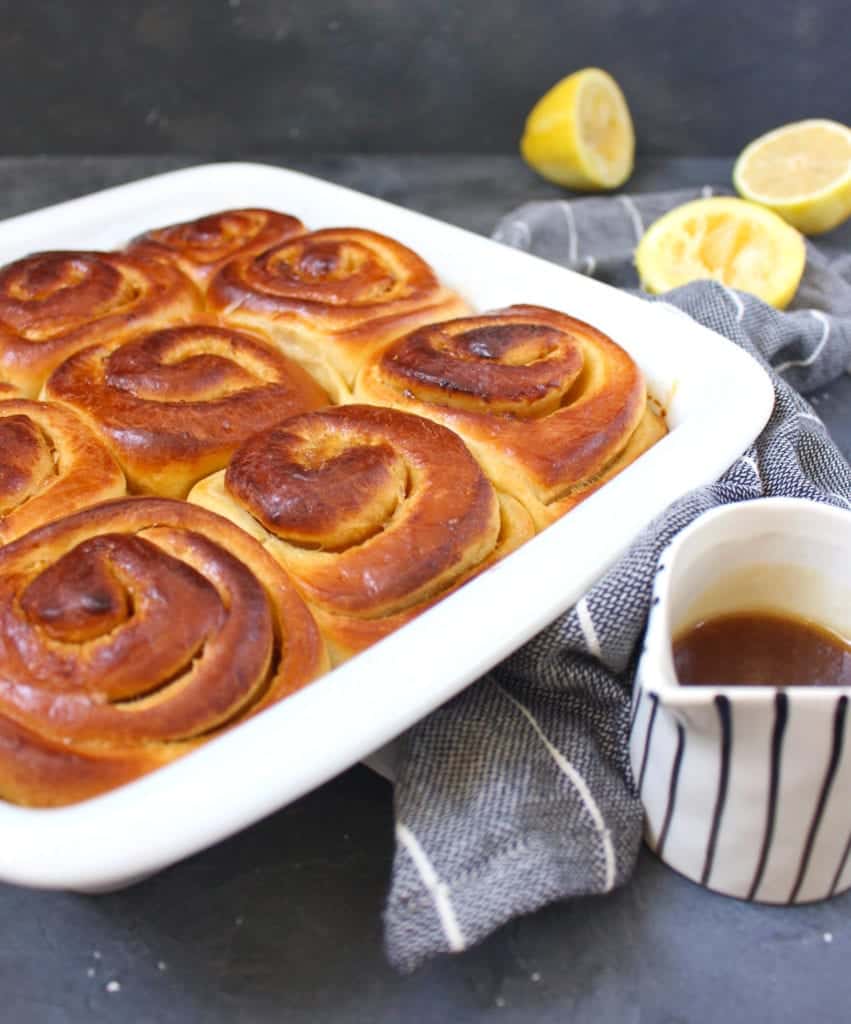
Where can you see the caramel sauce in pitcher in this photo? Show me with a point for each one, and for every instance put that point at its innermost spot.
(756, 648)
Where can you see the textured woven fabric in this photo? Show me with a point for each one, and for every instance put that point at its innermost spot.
(518, 792)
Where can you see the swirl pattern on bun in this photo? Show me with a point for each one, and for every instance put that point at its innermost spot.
(375, 513)
(331, 298)
(51, 464)
(202, 246)
(174, 404)
(54, 303)
(129, 633)
(550, 406)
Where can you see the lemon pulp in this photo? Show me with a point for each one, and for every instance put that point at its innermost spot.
(738, 243)
(801, 171)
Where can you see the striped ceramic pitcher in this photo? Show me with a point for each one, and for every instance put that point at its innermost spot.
(747, 789)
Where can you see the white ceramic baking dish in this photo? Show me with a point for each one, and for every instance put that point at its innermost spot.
(717, 399)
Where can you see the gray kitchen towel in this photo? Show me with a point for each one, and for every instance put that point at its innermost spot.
(518, 792)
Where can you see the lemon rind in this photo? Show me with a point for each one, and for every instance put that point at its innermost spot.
(588, 170)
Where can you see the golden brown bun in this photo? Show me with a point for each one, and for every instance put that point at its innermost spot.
(550, 406)
(331, 298)
(201, 247)
(174, 404)
(129, 633)
(375, 513)
(54, 303)
(51, 464)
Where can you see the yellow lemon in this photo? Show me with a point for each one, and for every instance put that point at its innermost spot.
(738, 243)
(801, 171)
(579, 134)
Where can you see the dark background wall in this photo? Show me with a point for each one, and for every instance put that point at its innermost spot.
(229, 77)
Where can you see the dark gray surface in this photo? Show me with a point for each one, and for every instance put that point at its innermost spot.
(469, 190)
(208, 76)
(282, 922)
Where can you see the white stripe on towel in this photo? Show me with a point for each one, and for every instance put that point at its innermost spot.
(522, 235)
(809, 416)
(586, 623)
(737, 302)
(752, 463)
(816, 352)
(572, 237)
(634, 216)
(438, 890)
(581, 787)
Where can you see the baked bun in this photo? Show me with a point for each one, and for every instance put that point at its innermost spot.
(375, 513)
(129, 633)
(51, 464)
(550, 406)
(54, 303)
(331, 298)
(202, 246)
(175, 403)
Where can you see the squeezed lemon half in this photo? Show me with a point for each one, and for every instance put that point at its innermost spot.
(580, 134)
(802, 171)
(738, 243)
